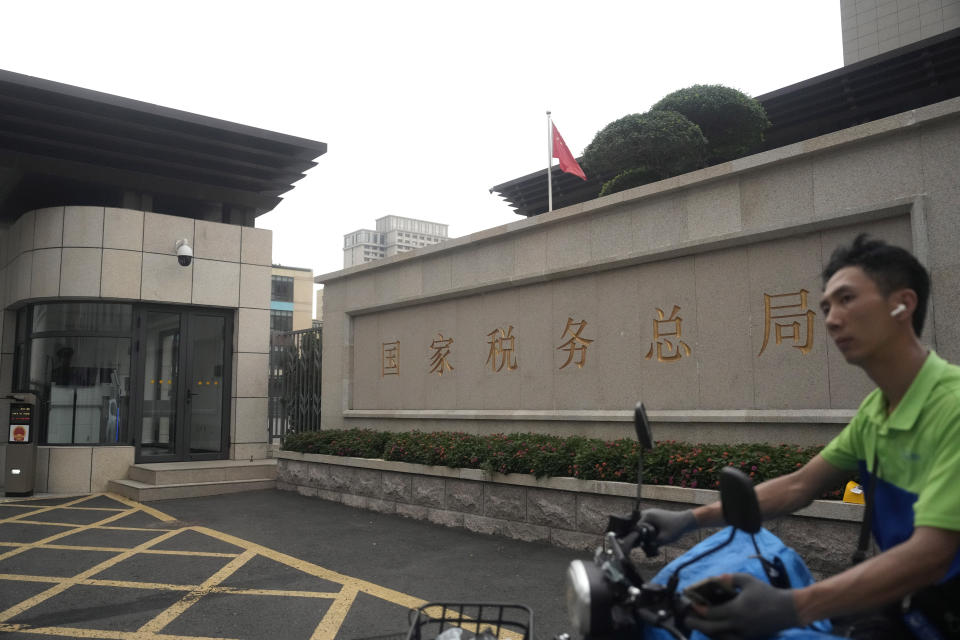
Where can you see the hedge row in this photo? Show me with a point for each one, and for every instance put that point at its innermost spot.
(669, 463)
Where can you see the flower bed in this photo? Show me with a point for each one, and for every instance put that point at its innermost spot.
(561, 511)
(670, 463)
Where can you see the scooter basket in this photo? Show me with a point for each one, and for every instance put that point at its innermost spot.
(481, 621)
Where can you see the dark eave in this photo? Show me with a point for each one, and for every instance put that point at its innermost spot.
(55, 136)
(907, 78)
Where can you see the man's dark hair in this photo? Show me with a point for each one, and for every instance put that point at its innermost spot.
(890, 267)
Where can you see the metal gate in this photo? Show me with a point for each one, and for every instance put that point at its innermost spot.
(295, 381)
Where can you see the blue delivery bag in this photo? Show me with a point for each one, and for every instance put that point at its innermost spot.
(739, 557)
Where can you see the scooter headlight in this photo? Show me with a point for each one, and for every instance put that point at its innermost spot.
(588, 598)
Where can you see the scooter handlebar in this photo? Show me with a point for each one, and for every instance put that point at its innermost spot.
(647, 538)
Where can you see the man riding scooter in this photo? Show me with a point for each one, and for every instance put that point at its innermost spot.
(905, 439)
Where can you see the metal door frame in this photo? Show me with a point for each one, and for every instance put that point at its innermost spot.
(185, 372)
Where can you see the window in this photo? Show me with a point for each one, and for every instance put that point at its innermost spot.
(281, 320)
(282, 289)
(76, 358)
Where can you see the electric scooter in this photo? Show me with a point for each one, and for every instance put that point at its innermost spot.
(607, 598)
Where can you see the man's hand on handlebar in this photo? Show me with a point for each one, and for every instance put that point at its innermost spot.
(759, 610)
(670, 525)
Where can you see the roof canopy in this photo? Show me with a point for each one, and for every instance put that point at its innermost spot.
(61, 145)
(907, 78)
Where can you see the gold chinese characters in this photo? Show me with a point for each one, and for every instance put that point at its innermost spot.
(502, 345)
(667, 333)
(786, 318)
(390, 359)
(784, 306)
(576, 345)
(441, 351)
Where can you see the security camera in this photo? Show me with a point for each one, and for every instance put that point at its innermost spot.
(184, 252)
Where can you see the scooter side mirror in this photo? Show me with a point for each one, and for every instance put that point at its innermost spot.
(739, 500)
(642, 426)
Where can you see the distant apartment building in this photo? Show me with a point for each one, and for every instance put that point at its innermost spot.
(393, 235)
(291, 309)
(291, 298)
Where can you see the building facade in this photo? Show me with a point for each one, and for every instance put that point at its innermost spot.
(291, 298)
(135, 287)
(872, 27)
(393, 235)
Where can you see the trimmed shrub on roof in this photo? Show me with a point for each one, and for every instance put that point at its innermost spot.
(628, 180)
(732, 121)
(663, 143)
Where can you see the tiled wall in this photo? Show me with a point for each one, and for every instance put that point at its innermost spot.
(872, 27)
(120, 254)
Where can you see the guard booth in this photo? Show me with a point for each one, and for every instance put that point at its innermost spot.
(21, 457)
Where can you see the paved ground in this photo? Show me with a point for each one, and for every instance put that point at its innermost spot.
(264, 564)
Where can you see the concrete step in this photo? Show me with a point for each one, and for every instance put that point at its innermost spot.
(168, 473)
(145, 492)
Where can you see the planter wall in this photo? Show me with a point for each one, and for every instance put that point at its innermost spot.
(565, 512)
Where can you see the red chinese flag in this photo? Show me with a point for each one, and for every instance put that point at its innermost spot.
(567, 162)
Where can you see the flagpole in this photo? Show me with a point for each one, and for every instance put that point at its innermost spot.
(549, 164)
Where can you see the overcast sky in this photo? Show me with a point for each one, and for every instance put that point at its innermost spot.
(424, 105)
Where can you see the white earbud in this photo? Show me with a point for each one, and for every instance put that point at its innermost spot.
(900, 308)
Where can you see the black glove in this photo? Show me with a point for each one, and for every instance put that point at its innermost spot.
(670, 524)
(759, 610)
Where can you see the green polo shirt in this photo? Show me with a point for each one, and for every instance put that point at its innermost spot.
(918, 447)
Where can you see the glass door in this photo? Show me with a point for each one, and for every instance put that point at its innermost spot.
(159, 351)
(205, 394)
(183, 373)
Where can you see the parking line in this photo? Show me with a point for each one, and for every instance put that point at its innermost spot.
(64, 584)
(139, 506)
(188, 600)
(335, 615)
(363, 586)
(327, 629)
(98, 634)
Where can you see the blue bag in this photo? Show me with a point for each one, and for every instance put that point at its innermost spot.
(736, 557)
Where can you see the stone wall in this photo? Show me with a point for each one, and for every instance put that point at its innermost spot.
(564, 512)
(697, 295)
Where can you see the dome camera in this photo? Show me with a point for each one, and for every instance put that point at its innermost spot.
(184, 252)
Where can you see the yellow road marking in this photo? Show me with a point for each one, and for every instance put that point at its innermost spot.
(188, 600)
(44, 509)
(69, 582)
(48, 506)
(114, 528)
(335, 615)
(105, 527)
(370, 588)
(139, 506)
(94, 508)
(327, 629)
(27, 578)
(160, 586)
(155, 552)
(62, 534)
(237, 591)
(51, 523)
(71, 632)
